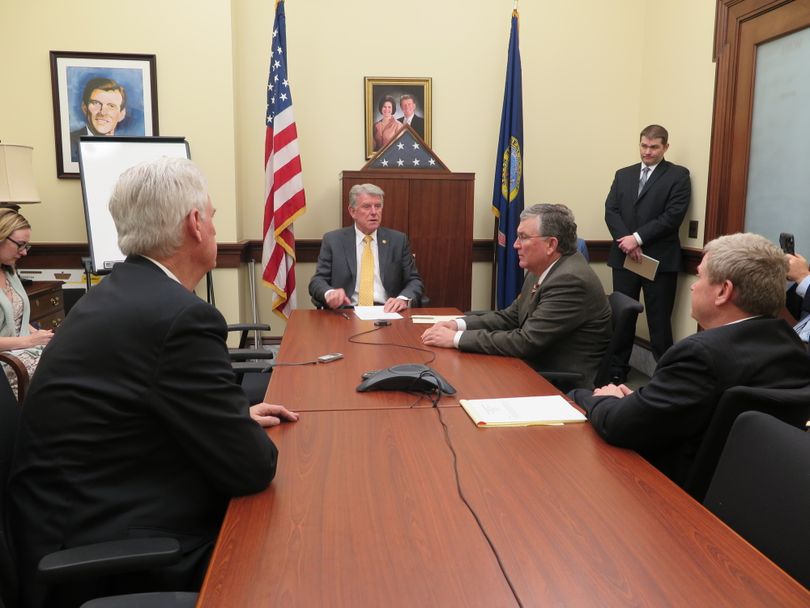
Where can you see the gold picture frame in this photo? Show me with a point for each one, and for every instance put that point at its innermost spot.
(378, 90)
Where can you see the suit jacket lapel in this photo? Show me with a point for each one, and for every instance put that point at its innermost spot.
(662, 168)
(383, 251)
(350, 250)
(528, 302)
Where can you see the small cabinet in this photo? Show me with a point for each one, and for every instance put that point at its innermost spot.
(47, 304)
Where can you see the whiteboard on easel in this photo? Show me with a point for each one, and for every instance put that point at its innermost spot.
(101, 161)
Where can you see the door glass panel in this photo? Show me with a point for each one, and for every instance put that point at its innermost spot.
(778, 198)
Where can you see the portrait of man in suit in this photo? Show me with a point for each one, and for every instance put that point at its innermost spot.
(407, 104)
(644, 211)
(366, 264)
(104, 106)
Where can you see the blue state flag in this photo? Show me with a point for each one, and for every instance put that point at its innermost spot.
(507, 196)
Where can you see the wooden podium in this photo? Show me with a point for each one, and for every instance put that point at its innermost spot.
(435, 210)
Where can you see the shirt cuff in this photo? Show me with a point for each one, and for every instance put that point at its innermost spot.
(638, 238)
(457, 337)
(461, 324)
(801, 288)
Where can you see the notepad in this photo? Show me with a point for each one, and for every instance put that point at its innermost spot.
(374, 313)
(522, 411)
(431, 319)
(646, 268)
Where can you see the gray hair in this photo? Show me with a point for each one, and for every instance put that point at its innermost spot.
(150, 202)
(557, 221)
(369, 189)
(756, 267)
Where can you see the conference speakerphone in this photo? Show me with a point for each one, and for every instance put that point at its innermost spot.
(406, 377)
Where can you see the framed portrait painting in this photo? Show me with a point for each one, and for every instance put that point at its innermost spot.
(392, 101)
(100, 94)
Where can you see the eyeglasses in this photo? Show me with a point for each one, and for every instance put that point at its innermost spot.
(527, 237)
(20, 246)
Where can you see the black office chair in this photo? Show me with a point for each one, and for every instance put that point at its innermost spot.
(624, 312)
(126, 555)
(761, 489)
(791, 406)
(252, 366)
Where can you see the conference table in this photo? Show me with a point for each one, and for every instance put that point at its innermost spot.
(381, 499)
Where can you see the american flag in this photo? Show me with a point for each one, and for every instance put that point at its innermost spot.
(284, 186)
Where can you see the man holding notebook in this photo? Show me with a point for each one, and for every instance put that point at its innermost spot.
(644, 211)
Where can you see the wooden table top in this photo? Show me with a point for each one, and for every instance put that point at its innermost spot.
(331, 386)
(365, 511)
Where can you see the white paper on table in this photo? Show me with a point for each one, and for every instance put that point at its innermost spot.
(372, 313)
(431, 319)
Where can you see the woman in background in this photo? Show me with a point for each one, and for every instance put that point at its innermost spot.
(16, 335)
(387, 126)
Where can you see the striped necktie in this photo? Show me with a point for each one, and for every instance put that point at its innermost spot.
(645, 173)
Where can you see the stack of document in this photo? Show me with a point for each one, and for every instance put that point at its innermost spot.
(522, 411)
(431, 319)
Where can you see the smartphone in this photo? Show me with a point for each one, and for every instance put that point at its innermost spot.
(330, 357)
(787, 243)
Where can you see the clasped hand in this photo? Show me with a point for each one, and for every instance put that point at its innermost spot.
(629, 245)
(441, 334)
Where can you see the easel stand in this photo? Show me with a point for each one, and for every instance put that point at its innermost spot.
(88, 272)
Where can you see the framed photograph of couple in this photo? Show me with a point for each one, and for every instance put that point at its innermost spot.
(390, 102)
(100, 94)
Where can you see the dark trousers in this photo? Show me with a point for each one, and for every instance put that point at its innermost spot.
(659, 300)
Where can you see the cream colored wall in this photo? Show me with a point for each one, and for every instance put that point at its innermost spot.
(192, 42)
(594, 72)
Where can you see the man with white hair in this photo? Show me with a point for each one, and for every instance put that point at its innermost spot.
(134, 425)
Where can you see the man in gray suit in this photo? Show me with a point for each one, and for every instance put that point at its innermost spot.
(394, 283)
(561, 319)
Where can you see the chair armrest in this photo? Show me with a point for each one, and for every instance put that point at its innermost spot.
(20, 371)
(261, 367)
(244, 354)
(126, 555)
(245, 329)
(162, 599)
(248, 327)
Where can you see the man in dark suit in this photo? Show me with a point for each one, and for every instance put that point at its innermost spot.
(393, 280)
(133, 425)
(738, 293)
(644, 211)
(408, 105)
(561, 319)
(798, 302)
(104, 105)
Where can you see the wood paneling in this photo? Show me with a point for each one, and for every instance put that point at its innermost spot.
(435, 210)
(740, 27)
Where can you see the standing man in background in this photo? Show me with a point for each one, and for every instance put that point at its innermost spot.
(644, 211)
